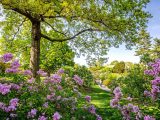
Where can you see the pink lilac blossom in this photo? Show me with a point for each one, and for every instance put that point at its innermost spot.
(78, 80)
(92, 109)
(7, 57)
(88, 98)
(56, 116)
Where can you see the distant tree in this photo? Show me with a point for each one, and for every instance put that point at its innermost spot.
(119, 67)
(114, 62)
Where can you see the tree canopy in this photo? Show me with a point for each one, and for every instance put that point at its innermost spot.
(88, 26)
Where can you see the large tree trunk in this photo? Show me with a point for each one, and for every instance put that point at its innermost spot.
(35, 48)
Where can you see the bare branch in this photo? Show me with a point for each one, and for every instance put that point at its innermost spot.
(69, 38)
(54, 28)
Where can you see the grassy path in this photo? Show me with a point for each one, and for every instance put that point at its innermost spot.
(101, 99)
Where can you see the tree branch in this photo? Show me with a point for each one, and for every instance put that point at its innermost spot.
(54, 28)
(69, 38)
(18, 29)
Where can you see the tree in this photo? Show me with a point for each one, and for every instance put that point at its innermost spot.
(144, 47)
(114, 62)
(94, 24)
(119, 67)
(156, 48)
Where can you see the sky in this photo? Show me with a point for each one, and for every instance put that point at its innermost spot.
(121, 53)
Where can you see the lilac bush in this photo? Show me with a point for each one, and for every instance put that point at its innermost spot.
(128, 110)
(155, 83)
(47, 100)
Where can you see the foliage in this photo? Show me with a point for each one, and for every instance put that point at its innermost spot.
(134, 83)
(56, 56)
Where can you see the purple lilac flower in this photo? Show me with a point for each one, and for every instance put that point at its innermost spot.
(147, 93)
(7, 57)
(114, 103)
(11, 70)
(55, 78)
(42, 118)
(59, 87)
(149, 118)
(15, 86)
(78, 80)
(56, 116)
(27, 72)
(60, 71)
(117, 92)
(11, 108)
(92, 109)
(45, 105)
(4, 89)
(42, 73)
(14, 102)
(88, 98)
(31, 80)
(32, 113)
(15, 64)
(2, 106)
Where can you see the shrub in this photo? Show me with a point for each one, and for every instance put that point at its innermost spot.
(49, 99)
(81, 71)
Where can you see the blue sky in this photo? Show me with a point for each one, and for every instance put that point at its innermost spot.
(121, 54)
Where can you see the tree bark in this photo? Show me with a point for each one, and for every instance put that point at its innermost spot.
(35, 48)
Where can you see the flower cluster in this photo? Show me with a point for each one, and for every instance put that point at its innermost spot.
(126, 110)
(41, 73)
(4, 88)
(7, 57)
(12, 105)
(147, 117)
(78, 80)
(155, 72)
(14, 67)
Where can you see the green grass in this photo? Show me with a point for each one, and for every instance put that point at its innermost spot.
(101, 100)
(99, 97)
